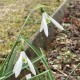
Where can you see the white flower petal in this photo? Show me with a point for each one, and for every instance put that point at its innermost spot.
(46, 29)
(44, 25)
(31, 65)
(56, 23)
(18, 66)
(28, 76)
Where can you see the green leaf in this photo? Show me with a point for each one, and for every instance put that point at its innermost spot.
(11, 61)
(4, 66)
(5, 63)
(46, 66)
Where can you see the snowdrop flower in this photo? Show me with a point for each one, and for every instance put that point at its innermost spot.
(18, 66)
(47, 19)
(28, 76)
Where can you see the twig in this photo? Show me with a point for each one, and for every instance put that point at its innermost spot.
(73, 71)
(62, 72)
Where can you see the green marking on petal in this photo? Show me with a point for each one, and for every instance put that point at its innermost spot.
(23, 60)
(48, 20)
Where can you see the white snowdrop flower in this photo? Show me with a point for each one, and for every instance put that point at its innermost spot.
(47, 19)
(28, 76)
(18, 66)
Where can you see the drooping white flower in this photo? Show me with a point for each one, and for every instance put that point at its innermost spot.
(47, 19)
(28, 76)
(18, 66)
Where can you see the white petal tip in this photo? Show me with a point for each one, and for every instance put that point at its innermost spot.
(34, 73)
(62, 29)
(40, 30)
(56, 23)
(46, 35)
(16, 75)
(28, 76)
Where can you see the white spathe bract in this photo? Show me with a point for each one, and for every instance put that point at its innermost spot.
(23, 59)
(44, 23)
(28, 76)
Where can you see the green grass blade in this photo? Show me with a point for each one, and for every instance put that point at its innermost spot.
(40, 77)
(5, 63)
(11, 61)
(46, 66)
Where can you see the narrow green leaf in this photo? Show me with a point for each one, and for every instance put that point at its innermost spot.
(46, 66)
(11, 62)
